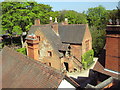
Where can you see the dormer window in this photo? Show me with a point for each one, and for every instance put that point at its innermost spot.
(50, 53)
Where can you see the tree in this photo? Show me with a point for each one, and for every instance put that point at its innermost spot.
(73, 17)
(17, 17)
(98, 38)
(98, 17)
(113, 15)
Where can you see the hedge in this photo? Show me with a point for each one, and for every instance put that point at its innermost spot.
(87, 59)
(22, 50)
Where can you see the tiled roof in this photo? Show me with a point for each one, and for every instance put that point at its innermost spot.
(72, 33)
(20, 71)
(100, 66)
(49, 34)
(64, 47)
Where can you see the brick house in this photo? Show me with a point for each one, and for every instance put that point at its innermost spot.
(106, 72)
(59, 45)
(20, 71)
(108, 63)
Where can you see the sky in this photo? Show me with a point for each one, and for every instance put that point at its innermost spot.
(78, 5)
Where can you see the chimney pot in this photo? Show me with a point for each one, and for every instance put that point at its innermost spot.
(110, 21)
(66, 21)
(50, 18)
(37, 22)
(51, 22)
(117, 21)
(55, 20)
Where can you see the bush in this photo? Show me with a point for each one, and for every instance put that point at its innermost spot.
(22, 50)
(1, 45)
(87, 59)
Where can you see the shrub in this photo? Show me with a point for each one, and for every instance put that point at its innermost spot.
(22, 50)
(1, 45)
(87, 59)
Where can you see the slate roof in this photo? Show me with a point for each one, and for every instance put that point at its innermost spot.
(20, 71)
(49, 34)
(72, 33)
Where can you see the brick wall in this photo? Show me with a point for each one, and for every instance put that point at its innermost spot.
(32, 48)
(112, 53)
(76, 51)
(87, 37)
(44, 49)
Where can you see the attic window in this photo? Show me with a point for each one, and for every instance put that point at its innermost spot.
(38, 38)
(50, 53)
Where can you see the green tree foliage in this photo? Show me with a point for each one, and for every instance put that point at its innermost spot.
(22, 50)
(97, 17)
(98, 38)
(17, 17)
(114, 14)
(73, 17)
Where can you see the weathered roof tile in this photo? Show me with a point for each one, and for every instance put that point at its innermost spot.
(20, 71)
(72, 33)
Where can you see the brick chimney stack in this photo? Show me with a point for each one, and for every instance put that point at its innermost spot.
(37, 22)
(32, 46)
(55, 26)
(112, 62)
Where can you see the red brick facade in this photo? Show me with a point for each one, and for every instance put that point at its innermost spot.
(32, 47)
(113, 49)
(44, 51)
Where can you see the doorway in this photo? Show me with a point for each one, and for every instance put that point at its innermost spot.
(66, 66)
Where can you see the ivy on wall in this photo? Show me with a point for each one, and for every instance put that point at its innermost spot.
(87, 59)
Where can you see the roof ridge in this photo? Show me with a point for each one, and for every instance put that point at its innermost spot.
(73, 24)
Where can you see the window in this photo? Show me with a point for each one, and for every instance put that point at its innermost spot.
(39, 52)
(38, 38)
(49, 64)
(87, 45)
(50, 53)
